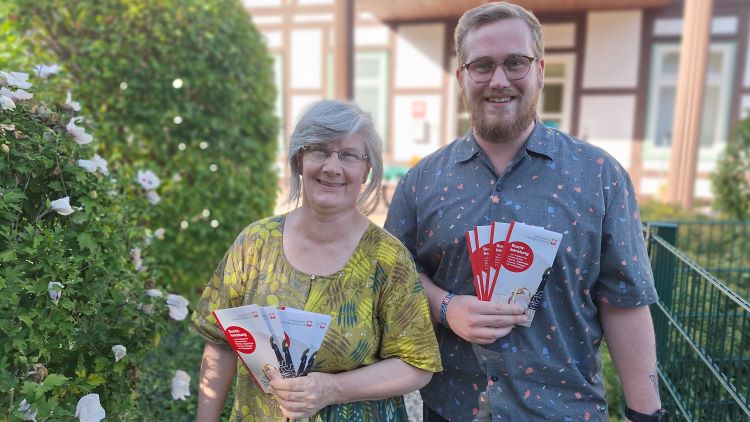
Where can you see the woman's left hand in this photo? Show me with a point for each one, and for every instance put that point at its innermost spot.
(303, 396)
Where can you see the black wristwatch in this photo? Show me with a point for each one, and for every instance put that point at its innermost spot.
(660, 415)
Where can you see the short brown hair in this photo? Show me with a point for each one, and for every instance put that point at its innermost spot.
(491, 12)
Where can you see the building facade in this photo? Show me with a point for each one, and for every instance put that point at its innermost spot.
(611, 73)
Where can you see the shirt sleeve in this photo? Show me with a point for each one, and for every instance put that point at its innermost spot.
(401, 220)
(404, 314)
(225, 289)
(625, 277)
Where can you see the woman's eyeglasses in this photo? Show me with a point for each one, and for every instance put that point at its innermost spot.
(319, 154)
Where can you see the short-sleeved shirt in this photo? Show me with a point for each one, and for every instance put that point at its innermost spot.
(551, 370)
(377, 303)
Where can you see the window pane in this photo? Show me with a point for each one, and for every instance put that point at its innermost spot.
(710, 116)
(669, 64)
(367, 68)
(552, 98)
(715, 63)
(665, 115)
(554, 70)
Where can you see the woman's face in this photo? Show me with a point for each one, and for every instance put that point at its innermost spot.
(332, 184)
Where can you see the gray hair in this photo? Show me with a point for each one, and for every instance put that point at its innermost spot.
(327, 121)
(491, 12)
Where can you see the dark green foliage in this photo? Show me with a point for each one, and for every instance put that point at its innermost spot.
(88, 252)
(731, 180)
(125, 58)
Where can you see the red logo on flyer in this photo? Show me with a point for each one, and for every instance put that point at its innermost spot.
(286, 339)
(241, 339)
(520, 257)
(309, 323)
(322, 325)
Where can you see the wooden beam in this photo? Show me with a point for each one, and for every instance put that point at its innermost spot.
(343, 50)
(688, 112)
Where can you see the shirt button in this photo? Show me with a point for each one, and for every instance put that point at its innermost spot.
(493, 378)
(498, 188)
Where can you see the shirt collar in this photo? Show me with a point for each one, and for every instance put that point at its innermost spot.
(540, 142)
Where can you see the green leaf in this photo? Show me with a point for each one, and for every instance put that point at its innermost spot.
(86, 241)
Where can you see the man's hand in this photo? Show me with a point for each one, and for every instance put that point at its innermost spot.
(482, 322)
(303, 396)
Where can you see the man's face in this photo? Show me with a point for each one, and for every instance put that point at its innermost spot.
(501, 109)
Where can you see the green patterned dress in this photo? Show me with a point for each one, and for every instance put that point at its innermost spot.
(377, 303)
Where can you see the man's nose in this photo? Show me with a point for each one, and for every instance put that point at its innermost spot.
(499, 79)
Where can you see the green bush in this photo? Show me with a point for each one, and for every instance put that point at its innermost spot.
(731, 180)
(183, 88)
(71, 278)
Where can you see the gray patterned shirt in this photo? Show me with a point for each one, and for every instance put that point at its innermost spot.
(551, 370)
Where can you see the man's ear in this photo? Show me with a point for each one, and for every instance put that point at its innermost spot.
(541, 73)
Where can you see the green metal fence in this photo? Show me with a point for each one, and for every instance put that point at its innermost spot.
(703, 335)
(720, 247)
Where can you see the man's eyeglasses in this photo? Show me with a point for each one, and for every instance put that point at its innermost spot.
(515, 67)
(319, 154)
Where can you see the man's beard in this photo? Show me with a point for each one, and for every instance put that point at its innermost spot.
(499, 130)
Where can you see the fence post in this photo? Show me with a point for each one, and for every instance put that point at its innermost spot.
(664, 265)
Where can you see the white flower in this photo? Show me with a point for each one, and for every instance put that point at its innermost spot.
(159, 233)
(55, 290)
(89, 409)
(152, 197)
(73, 105)
(62, 206)
(78, 133)
(101, 163)
(120, 351)
(180, 385)
(94, 164)
(177, 307)
(87, 165)
(135, 256)
(154, 293)
(17, 95)
(28, 415)
(16, 79)
(148, 179)
(44, 71)
(146, 309)
(6, 103)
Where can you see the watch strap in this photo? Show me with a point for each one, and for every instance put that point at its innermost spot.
(660, 415)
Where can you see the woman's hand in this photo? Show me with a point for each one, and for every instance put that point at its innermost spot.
(304, 396)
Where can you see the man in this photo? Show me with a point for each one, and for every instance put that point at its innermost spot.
(509, 166)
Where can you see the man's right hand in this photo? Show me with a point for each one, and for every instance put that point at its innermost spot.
(482, 322)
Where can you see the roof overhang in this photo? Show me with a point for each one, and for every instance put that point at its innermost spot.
(410, 10)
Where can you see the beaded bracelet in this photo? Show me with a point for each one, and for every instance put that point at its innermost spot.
(444, 309)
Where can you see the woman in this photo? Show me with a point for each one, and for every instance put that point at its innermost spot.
(327, 257)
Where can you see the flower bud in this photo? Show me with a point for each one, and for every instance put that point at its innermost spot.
(5, 148)
(93, 194)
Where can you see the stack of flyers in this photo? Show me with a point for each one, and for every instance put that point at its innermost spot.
(270, 340)
(511, 262)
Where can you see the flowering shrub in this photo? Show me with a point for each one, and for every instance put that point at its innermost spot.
(731, 179)
(75, 317)
(181, 92)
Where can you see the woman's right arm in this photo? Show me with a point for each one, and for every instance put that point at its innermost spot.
(217, 372)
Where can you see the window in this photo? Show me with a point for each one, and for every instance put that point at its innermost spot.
(555, 101)
(371, 87)
(661, 102)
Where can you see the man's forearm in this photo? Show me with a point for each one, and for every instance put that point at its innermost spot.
(434, 294)
(632, 345)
